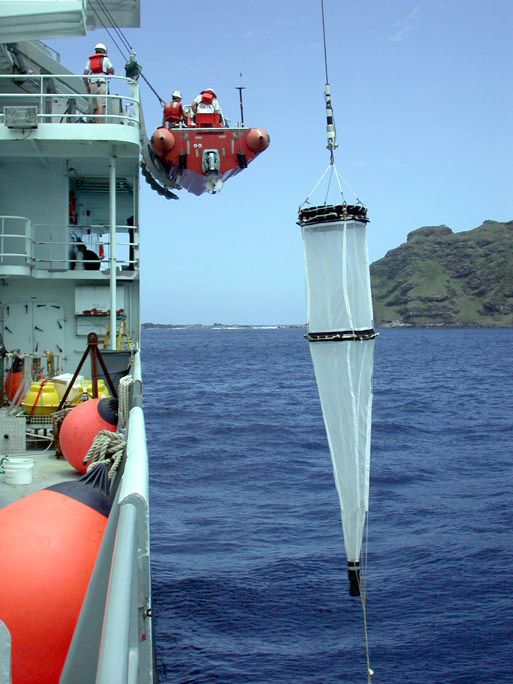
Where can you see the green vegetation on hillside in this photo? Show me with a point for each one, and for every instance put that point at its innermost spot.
(438, 277)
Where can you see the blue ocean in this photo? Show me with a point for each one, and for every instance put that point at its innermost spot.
(248, 563)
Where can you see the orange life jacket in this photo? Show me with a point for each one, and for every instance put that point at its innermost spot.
(207, 97)
(96, 63)
(173, 111)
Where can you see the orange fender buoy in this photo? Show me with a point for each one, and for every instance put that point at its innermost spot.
(162, 141)
(82, 424)
(13, 379)
(49, 541)
(257, 140)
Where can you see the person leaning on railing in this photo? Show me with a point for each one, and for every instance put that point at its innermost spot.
(97, 69)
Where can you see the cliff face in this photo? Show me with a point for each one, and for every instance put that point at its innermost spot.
(438, 277)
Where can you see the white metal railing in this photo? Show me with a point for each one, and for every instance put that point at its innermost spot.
(113, 640)
(65, 248)
(15, 240)
(63, 98)
(126, 641)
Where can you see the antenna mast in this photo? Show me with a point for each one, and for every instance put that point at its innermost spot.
(240, 89)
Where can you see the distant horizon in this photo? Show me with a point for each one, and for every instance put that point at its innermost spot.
(435, 326)
(223, 325)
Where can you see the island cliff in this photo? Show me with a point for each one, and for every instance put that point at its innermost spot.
(441, 278)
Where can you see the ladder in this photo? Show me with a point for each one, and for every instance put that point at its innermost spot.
(122, 330)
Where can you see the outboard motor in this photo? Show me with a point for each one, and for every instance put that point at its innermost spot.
(211, 166)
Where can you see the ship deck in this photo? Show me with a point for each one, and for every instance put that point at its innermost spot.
(47, 469)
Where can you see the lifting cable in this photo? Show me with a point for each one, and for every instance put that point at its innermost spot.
(332, 146)
(124, 40)
(105, 9)
(331, 133)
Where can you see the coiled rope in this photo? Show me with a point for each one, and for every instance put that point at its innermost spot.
(107, 447)
(124, 388)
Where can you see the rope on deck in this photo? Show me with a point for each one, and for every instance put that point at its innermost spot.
(107, 447)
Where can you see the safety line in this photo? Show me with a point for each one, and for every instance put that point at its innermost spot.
(363, 600)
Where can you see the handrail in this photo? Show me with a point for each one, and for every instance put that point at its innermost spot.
(25, 235)
(62, 98)
(113, 661)
(60, 252)
(126, 634)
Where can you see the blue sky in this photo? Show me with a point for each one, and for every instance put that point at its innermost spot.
(422, 97)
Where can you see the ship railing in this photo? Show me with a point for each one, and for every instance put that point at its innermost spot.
(15, 241)
(63, 98)
(26, 247)
(113, 640)
(126, 642)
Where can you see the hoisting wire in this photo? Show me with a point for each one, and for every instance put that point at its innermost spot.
(331, 132)
(324, 41)
(162, 102)
(124, 40)
(107, 30)
(331, 136)
(105, 9)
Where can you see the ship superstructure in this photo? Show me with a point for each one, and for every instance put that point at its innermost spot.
(69, 284)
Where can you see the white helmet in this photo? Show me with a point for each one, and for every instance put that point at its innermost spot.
(100, 46)
(177, 93)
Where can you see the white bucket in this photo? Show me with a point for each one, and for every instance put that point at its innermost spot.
(18, 470)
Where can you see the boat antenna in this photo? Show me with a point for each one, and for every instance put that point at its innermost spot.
(240, 89)
(331, 133)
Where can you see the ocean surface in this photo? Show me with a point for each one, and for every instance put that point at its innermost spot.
(248, 564)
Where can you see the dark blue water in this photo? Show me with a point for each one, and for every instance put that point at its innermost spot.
(248, 561)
